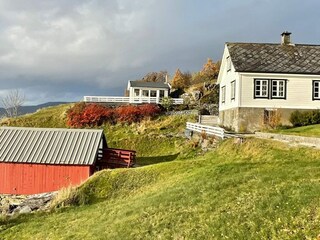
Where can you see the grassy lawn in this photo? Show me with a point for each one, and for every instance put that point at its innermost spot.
(307, 131)
(256, 190)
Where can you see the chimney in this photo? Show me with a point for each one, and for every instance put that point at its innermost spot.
(285, 38)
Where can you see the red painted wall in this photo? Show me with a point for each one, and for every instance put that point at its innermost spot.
(21, 178)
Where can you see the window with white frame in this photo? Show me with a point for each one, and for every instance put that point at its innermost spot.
(278, 88)
(270, 88)
(223, 94)
(136, 92)
(153, 93)
(233, 90)
(228, 64)
(261, 88)
(316, 90)
(145, 93)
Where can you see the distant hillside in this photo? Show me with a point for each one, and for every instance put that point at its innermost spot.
(31, 109)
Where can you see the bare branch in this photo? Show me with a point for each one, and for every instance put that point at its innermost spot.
(12, 102)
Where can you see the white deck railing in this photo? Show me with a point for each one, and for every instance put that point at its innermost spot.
(106, 99)
(216, 131)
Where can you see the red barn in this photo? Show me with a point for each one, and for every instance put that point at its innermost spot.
(37, 160)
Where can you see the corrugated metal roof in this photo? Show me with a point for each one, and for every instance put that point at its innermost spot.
(49, 145)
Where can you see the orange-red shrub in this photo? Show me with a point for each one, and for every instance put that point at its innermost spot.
(128, 114)
(150, 110)
(96, 115)
(82, 115)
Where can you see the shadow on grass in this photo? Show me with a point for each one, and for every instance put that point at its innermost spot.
(7, 222)
(143, 161)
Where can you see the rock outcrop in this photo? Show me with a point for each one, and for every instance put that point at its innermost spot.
(14, 204)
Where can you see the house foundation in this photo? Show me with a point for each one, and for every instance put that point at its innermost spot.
(245, 119)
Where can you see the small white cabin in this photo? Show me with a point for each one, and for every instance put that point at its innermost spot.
(148, 89)
(139, 93)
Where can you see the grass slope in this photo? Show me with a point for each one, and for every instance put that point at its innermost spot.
(257, 190)
(306, 131)
(155, 141)
(50, 117)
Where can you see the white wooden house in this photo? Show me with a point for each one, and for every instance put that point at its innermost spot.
(157, 90)
(139, 92)
(261, 82)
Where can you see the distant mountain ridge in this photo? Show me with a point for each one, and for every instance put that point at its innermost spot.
(31, 109)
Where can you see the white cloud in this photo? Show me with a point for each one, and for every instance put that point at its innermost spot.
(65, 48)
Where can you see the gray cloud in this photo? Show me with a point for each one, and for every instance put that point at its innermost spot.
(61, 50)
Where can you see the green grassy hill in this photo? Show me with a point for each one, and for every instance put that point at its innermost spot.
(306, 131)
(256, 190)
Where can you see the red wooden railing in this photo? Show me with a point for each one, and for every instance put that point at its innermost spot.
(117, 158)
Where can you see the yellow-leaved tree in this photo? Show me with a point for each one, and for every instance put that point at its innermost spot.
(181, 80)
(209, 72)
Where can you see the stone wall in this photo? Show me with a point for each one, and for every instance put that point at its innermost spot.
(251, 119)
(229, 119)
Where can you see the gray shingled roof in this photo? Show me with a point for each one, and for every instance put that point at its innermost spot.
(149, 84)
(275, 58)
(49, 145)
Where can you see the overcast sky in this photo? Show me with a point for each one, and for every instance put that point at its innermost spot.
(62, 50)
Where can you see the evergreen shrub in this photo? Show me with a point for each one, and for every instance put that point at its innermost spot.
(298, 118)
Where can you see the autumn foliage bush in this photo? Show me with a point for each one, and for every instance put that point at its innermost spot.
(82, 115)
(128, 114)
(89, 115)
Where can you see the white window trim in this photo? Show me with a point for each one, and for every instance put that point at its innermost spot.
(262, 82)
(233, 90)
(228, 64)
(223, 94)
(314, 90)
(277, 95)
(269, 88)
